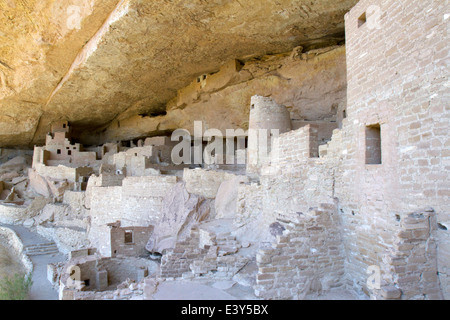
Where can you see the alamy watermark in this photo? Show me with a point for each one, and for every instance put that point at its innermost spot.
(262, 144)
(74, 279)
(374, 279)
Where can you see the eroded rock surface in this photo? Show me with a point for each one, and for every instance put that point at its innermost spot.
(98, 61)
(181, 210)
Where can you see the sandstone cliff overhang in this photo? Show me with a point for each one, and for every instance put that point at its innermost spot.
(94, 62)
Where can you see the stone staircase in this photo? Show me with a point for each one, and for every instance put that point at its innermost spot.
(41, 249)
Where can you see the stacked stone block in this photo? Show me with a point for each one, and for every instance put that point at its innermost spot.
(308, 257)
(410, 266)
(194, 258)
(177, 261)
(296, 146)
(397, 72)
(221, 261)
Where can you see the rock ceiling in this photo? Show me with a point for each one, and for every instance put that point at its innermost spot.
(94, 62)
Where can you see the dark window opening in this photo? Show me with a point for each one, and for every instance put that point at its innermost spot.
(373, 144)
(362, 20)
(58, 151)
(87, 283)
(240, 143)
(128, 236)
(69, 152)
(344, 114)
(64, 125)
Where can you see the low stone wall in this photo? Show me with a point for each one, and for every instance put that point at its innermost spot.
(135, 291)
(57, 172)
(67, 239)
(204, 255)
(409, 268)
(307, 257)
(91, 277)
(15, 243)
(296, 145)
(175, 262)
(282, 194)
(12, 214)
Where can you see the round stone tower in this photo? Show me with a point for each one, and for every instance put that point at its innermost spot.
(267, 120)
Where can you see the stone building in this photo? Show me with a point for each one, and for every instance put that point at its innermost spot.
(345, 185)
(59, 149)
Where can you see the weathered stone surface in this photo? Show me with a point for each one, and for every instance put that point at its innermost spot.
(226, 198)
(66, 58)
(205, 183)
(359, 184)
(321, 81)
(180, 211)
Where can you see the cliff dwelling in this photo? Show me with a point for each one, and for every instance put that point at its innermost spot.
(251, 150)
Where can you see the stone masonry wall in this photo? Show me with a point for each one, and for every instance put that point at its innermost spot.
(137, 203)
(307, 258)
(204, 254)
(293, 182)
(175, 262)
(397, 72)
(134, 248)
(296, 145)
(410, 266)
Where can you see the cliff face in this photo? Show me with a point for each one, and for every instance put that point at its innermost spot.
(96, 63)
(312, 86)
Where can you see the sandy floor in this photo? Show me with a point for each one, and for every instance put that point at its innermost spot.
(228, 290)
(194, 290)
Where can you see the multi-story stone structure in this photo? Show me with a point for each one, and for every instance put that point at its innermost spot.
(351, 195)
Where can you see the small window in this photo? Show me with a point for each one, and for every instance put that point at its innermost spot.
(87, 282)
(69, 152)
(362, 20)
(344, 114)
(128, 236)
(58, 151)
(373, 144)
(64, 125)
